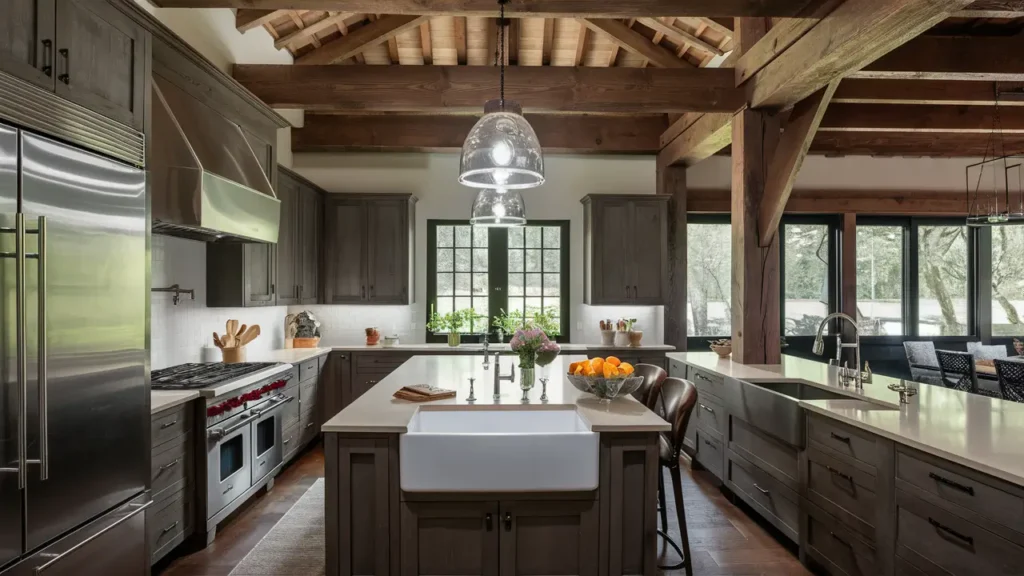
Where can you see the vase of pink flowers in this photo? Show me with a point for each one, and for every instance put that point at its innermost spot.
(534, 348)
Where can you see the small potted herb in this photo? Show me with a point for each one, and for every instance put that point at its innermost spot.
(507, 323)
(451, 323)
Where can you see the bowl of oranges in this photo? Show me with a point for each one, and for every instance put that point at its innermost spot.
(605, 378)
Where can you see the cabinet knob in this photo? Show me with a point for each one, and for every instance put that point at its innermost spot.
(66, 76)
(508, 522)
(488, 522)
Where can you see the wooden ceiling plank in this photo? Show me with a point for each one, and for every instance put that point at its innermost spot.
(301, 36)
(679, 36)
(710, 23)
(911, 144)
(703, 138)
(581, 43)
(248, 19)
(549, 40)
(967, 58)
(453, 88)
(541, 8)
(852, 36)
(427, 47)
(478, 41)
(442, 41)
(1001, 9)
(939, 92)
(635, 42)
(460, 39)
(356, 41)
(923, 119)
(398, 132)
(788, 157)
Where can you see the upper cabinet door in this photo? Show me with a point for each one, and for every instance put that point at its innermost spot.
(288, 254)
(260, 288)
(100, 60)
(310, 217)
(649, 256)
(612, 230)
(27, 40)
(388, 251)
(345, 252)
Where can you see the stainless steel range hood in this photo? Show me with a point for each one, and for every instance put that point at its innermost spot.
(206, 181)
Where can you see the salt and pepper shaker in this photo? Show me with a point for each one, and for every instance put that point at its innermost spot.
(472, 395)
(544, 389)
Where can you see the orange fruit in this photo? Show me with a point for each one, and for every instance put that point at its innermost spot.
(613, 360)
(626, 368)
(588, 370)
(597, 363)
(610, 371)
(579, 369)
(572, 367)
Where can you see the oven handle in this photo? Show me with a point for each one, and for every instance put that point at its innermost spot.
(281, 400)
(218, 433)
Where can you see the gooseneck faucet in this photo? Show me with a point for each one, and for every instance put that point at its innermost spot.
(498, 377)
(819, 344)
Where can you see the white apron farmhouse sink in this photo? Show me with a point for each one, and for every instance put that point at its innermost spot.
(498, 451)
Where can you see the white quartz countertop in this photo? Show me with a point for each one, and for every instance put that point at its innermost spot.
(289, 355)
(161, 400)
(970, 429)
(377, 412)
(471, 348)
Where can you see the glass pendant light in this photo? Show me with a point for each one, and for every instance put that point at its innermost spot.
(502, 151)
(498, 207)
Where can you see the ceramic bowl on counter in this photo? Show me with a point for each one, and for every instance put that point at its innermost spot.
(389, 341)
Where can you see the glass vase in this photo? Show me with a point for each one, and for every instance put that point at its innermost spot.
(527, 377)
(454, 339)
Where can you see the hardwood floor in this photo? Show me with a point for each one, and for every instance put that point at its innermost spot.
(724, 541)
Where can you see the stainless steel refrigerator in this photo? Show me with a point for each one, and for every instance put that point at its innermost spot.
(74, 407)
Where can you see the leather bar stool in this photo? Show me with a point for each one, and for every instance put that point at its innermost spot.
(649, 393)
(678, 397)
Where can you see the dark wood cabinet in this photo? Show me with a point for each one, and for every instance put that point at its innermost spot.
(625, 249)
(27, 31)
(441, 538)
(368, 249)
(241, 275)
(86, 51)
(298, 243)
(100, 60)
(509, 538)
(310, 218)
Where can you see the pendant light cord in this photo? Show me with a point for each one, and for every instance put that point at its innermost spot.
(499, 53)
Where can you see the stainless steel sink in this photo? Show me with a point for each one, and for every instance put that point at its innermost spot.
(773, 407)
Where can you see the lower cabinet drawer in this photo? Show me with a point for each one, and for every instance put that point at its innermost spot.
(171, 424)
(170, 466)
(844, 491)
(307, 426)
(167, 522)
(952, 543)
(905, 568)
(836, 547)
(710, 453)
(767, 453)
(290, 441)
(710, 415)
(307, 394)
(290, 412)
(771, 498)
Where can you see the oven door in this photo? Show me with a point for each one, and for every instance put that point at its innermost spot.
(229, 462)
(267, 451)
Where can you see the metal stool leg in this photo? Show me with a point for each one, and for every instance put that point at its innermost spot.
(662, 508)
(684, 553)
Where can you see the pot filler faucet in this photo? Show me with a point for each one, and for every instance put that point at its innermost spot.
(819, 348)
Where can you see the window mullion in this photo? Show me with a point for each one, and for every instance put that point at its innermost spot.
(497, 272)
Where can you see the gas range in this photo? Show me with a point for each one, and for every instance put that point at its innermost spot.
(200, 376)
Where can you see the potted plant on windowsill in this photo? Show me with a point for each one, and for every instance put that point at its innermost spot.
(506, 323)
(451, 323)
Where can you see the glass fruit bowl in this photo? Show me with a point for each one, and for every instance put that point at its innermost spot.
(606, 389)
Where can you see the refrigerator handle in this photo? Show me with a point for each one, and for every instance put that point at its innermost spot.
(44, 398)
(22, 352)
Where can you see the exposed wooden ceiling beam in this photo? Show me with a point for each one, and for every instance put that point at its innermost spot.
(778, 38)
(397, 132)
(442, 89)
(939, 92)
(922, 119)
(360, 39)
(246, 19)
(817, 201)
(706, 136)
(855, 34)
(952, 58)
(635, 42)
(789, 156)
(993, 9)
(911, 144)
(548, 8)
(680, 36)
(303, 34)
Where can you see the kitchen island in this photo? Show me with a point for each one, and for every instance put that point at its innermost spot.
(600, 518)
(864, 484)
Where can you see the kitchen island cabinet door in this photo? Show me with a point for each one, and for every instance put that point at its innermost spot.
(26, 40)
(550, 537)
(345, 252)
(100, 60)
(441, 538)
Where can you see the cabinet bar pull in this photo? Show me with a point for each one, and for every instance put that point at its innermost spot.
(835, 472)
(708, 408)
(843, 439)
(840, 540)
(952, 483)
(762, 490)
(968, 540)
(169, 528)
(508, 522)
(66, 76)
(488, 522)
(48, 57)
(171, 465)
(167, 425)
(700, 376)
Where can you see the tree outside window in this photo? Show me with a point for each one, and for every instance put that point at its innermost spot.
(942, 269)
(1007, 280)
(709, 279)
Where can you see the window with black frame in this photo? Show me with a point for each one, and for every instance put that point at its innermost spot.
(708, 276)
(808, 273)
(498, 271)
(881, 282)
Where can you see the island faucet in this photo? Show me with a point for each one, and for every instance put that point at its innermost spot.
(819, 344)
(498, 377)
